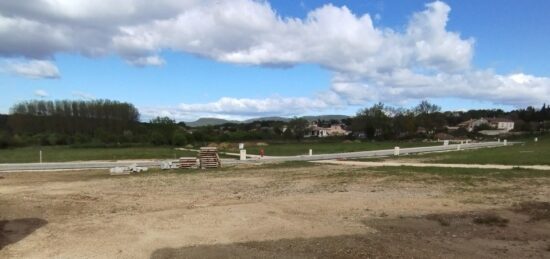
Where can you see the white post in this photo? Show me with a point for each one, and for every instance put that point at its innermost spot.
(536, 140)
(41, 156)
(243, 154)
(505, 142)
(396, 151)
(311, 152)
(445, 143)
(461, 142)
(498, 140)
(458, 147)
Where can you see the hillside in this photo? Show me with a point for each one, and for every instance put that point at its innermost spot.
(216, 121)
(208, 122)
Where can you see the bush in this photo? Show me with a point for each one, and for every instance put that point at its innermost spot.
(5, 140)
(179, 139)
(157, 138)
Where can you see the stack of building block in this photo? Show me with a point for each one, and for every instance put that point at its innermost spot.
(209, 158)
(188, 162)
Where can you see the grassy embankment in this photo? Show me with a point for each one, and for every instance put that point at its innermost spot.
(66, 153)
(63, 154)
(294, 149)
(528, 153)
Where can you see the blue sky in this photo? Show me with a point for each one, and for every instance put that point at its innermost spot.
(502, 54)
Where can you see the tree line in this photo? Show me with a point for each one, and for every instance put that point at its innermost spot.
(385, 122)
(106, 122)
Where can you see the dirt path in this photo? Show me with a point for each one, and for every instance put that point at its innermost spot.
(302, 211)
(387, 163)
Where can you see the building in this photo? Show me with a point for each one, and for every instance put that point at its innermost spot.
(501, 124)
(469, 125)
(321, 132)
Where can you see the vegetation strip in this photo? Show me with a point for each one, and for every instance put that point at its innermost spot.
(398, 164)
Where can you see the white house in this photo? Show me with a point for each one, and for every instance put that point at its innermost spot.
(321, 132)
(502, 124)
(469, 125)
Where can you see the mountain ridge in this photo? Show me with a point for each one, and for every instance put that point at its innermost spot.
(209, 121)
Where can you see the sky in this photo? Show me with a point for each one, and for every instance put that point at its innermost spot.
(240, 59)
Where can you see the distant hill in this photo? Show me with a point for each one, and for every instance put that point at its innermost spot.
(267, 119)
(215, 121)
(326, 117)
(208, 122)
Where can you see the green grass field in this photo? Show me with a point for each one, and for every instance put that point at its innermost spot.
(294, 149)
(460, 174)
(529, 153)
(63, 154)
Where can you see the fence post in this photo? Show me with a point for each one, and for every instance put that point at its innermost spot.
(311, 152)
(41, 156)
(396, 151)
(243, 154)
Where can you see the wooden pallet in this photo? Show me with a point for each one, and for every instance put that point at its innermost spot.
(209, 158)
(188, 162)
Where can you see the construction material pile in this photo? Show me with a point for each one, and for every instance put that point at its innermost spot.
(188, 162)
(208, 157)
(126, 170)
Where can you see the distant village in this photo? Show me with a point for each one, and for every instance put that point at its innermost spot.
(488, 126)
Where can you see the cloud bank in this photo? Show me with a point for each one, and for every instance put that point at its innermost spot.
(368, 62)
(35, 69)
(41, 93)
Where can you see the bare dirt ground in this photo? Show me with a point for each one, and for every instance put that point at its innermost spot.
(301, 211)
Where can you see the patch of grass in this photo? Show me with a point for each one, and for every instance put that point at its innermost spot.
(529, 153)
(289, 164)
(463, 177)
(490, 219)
(441, 219)
(536, 210)
(65, 153)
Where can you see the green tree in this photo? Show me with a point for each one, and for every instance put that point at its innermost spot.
(373, 121)
(298, 127)
(163, 129)
(179, 138)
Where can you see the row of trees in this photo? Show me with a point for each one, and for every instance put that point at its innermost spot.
(105, 122)
(386, 122)
(72, 117)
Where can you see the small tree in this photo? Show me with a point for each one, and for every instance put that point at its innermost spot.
(298, 127)
(163, 130)
(179, 138)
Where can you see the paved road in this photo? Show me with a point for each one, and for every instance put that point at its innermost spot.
(156, 163)
(386, 163)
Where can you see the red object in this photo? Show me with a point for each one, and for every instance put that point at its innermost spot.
(262, 152)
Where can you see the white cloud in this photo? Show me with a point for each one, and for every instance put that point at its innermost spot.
(83, 95)
(369, 62)
(242, 108)
(35, 69)
(401, 86)
(250, 32)
(41, 93)
(147, 61)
